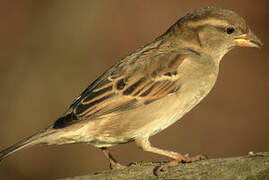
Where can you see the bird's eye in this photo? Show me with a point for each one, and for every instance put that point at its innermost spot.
(230, 30)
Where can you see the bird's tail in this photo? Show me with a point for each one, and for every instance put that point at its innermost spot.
(25, 143)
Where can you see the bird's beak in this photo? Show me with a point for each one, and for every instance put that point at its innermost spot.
(248, 40)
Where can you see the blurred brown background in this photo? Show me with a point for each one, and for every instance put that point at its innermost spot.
(51, 50)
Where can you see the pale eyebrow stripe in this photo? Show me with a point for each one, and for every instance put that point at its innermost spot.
(209, 21)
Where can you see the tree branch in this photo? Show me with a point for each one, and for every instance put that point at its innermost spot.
(253, 166)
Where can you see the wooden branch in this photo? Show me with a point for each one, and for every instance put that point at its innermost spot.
(253, 166)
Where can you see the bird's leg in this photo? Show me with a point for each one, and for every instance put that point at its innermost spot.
(177, 157)
(114, 164)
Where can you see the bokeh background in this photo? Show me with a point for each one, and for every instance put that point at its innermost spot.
(51, 50)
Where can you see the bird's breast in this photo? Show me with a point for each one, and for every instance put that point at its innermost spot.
(174, 107)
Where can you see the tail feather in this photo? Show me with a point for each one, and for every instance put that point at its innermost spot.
(24, 143)
(16, 147)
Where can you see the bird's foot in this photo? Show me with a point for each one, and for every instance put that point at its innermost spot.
(179, 159)
(194, 158)
(115, 165)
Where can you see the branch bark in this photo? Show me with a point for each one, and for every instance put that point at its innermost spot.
(253, 166)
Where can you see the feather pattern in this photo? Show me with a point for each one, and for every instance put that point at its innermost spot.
(125, 87)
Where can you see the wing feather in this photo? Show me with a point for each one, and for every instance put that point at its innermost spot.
(125, 86)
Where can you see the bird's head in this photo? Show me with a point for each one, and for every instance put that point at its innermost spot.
(215, 31)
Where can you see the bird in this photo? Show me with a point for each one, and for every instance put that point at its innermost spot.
(150, 89)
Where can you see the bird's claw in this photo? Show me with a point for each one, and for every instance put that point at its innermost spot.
(183, 159)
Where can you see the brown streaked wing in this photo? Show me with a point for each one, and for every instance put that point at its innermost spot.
(132, 86)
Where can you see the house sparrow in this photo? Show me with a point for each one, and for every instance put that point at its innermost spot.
(152, 88)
